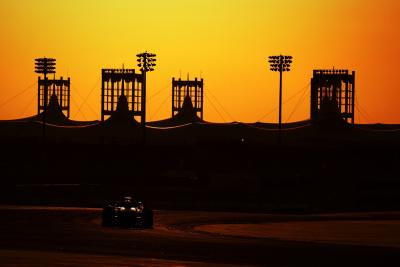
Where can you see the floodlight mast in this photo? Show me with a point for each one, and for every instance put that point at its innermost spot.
(44, 66)
(280, 63)
(146, 63)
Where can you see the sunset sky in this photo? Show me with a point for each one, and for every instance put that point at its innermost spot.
(226, 42)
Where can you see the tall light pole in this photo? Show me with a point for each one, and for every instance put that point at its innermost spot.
(147, 62)
(44, 66)
(280, 63)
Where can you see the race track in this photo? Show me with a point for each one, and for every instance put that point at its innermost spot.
(40, 236)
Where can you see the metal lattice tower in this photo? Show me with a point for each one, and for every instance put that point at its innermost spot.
(58, 87)
(47, 87)
(335, 88)
(117, 82)
(192, 88)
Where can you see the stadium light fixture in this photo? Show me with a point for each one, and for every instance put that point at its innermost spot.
(146, 62)
(280, 64)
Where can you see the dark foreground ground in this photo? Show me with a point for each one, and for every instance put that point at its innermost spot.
(323, 177)
(204, 176)
(37, 236)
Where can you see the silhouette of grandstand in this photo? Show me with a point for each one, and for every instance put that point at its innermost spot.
(184, 90)
(189, 161)
(54, 97)
(122, 101)
(187, 103)
(122, 95)
(59, 88)
(332, 95)
(54, 115)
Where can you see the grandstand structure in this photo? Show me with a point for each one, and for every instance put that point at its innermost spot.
(126, 83)
(332, 91)
(194, 89)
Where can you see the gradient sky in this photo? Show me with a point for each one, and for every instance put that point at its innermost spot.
(227, 42)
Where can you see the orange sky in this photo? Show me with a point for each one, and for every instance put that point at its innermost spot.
(226, 41)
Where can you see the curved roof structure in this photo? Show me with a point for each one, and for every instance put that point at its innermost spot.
(54, 115)
(186, 115)
(122, 115)
(187, 128)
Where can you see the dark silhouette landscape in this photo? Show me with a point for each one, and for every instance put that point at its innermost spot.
(193, 172)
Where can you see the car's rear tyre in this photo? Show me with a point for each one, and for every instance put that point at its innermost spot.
(148, 218)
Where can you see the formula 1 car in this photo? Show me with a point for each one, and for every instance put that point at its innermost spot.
(127, 213)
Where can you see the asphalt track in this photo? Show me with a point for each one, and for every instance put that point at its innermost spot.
(41, 236)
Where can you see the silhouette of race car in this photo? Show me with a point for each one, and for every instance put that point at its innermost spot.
(127, 213)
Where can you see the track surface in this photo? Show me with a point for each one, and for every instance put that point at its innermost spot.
(382, 233)
(36, 236)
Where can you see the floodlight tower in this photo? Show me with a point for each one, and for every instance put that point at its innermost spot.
(280, 63)
(45, 66)
(147, 62)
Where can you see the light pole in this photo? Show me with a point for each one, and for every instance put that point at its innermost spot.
(280, 63)
(44, 66)
(147, 62)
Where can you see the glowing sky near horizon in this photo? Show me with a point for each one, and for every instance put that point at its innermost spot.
(227, 42)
